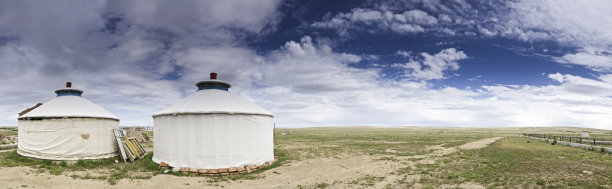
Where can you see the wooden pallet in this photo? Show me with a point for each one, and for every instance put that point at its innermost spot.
(129, 148)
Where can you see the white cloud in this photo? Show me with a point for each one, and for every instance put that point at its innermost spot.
(598, 61)
(406, 28)
(407, 22)
(307, 67)
(403, 53)
(445, 18)
(582, 25)
(417, 17)
(187, 17)
(574, 22)
(433, 66)
(320, 88)
(364, 15)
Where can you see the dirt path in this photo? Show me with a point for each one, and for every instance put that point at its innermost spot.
(479, 143)
(336, 172)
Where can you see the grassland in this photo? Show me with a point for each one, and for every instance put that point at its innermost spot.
(524, 163)
(370, 157)
(8, 131)
(310, 143)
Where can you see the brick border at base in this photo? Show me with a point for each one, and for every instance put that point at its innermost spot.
(222, 171)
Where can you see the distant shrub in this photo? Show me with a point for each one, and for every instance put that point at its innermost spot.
(553, 142)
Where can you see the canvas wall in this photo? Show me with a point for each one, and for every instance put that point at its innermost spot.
(67, 138)
(209, 141)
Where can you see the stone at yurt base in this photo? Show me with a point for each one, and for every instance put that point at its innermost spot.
(238, 132)
(68, 127)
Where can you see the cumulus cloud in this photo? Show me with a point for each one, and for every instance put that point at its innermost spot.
(312, 68)
(433, 66)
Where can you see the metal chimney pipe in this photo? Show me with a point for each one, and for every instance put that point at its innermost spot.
(213, 75)
(68, 84)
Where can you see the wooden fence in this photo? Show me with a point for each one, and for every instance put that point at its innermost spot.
(572, 139)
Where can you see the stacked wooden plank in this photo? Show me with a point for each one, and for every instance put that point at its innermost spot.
(222, 171)
(129, 148)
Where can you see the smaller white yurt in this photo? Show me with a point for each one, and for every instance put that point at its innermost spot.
(68, 127)
(213, 129)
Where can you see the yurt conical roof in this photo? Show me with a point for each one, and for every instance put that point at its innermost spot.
(69, 103)
(214, 101)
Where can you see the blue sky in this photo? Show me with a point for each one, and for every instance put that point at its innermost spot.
(320, 63)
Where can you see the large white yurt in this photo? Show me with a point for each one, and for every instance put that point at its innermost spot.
(213, 128)
(68, 127)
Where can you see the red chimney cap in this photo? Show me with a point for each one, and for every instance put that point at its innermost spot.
(213, 75)
(68, 84)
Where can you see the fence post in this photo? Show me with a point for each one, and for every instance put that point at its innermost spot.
(593, 141)
(570, 139)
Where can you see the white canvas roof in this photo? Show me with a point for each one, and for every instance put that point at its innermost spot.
(69, 106)
(212, 101)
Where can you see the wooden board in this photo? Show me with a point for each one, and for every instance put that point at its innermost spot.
(121, 150)
(129, 153)
(133, 149)
(119, 133)
(138, 146)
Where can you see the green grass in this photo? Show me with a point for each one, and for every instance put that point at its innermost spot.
(311, 143)
(517, 162)
(8, 132)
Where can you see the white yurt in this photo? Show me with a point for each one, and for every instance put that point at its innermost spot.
(213, 128)
(68, 127)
